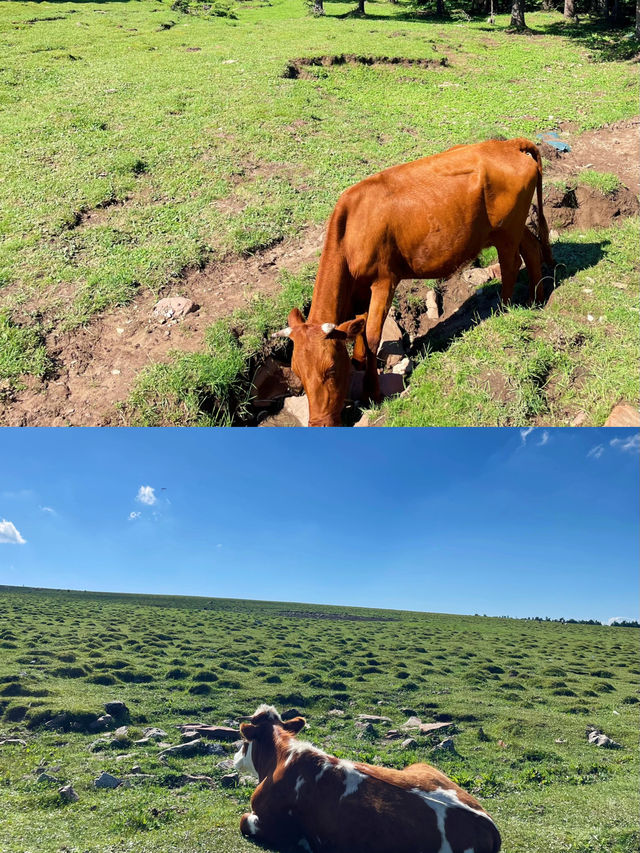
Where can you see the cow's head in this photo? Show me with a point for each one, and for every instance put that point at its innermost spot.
(257, 755)
(321, 361)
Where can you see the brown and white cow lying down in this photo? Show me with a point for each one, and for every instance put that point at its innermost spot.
(419, 220)
(308, 800)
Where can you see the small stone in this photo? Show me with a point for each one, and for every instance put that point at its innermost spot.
(115, 372)
(336, 712)
(193, 747)
(121, 732)
(560, 740)
(117, 709)
(431, 303)
(590, 318)
(409, 743)
(231, 780)
(17, 741)
(412, 723)
(373, 718)
(294, 413)
(103, 723)
(106, 780)
(623, 415)
(447, 745)
(154, 733)
(44, 779)
(403, 367)
(136, 769)
(579, 419)
(120, 330)
(173, 308)
(390, 339)
(68, 794)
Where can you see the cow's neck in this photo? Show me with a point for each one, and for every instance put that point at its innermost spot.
(332, 296)
(267, 758)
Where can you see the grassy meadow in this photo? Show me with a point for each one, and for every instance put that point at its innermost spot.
(138, 141)
(519, 695)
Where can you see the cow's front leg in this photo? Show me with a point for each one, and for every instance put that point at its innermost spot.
(381, 295)
(276, 831)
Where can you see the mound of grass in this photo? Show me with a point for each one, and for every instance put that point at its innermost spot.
(22, 351)
(605, 182)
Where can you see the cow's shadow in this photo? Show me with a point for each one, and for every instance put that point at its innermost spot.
(570, 258)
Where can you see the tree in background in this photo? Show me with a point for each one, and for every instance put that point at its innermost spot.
(517, 16)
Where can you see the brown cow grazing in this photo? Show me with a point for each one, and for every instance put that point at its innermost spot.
(420, 220)
(308, 800)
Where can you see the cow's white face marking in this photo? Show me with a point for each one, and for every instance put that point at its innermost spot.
(252, 823)
(440, 800)
(270, 712)
(242, 760)
(352, 778)
(299, 784)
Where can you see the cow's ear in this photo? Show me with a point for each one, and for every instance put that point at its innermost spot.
(353, 328)
(295, 318)
(295, 725)
(248, 731)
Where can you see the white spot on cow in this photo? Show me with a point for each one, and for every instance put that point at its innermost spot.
(252, 823)
(328, 327)
(325, 766)
(352, 778)
(299, 784)
(300, 747)
(242, 760)
(270, 712)
(440, 800)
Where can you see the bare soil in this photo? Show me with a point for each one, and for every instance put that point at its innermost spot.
(297, 68)
(97, 364)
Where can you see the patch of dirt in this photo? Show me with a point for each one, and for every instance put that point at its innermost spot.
(97, 363)
(497, 384)
(613, 148)
(297, 68)
(586, 207)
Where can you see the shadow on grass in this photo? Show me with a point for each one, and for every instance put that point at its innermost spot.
(570, 259)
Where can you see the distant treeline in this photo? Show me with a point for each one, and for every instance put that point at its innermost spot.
(623, 623)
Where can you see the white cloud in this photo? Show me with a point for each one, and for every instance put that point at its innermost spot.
(544, 438)
(147, 495)
(48, 509)
(596, 451)
(9, 534)
(630, 444)
(525, 433)
(615, 619)
(134, 515)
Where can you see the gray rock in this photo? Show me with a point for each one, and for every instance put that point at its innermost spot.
(121, 732)
(231, 780)
(404, 367)
(106, 780)
(409, 743)
(44, 779)
(117, 709)
(154, 733)
(598, 738)
(192, 747)
(336, 712)
(16, 741)
(431, 303)
(173, 308)
(394, 734)
(447, 745)
(99, 745)
(412, 723)
(390, 340)
(373, 718)
(102, 724)
(68, 794)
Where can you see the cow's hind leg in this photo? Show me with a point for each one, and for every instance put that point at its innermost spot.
(530, 251)
(509, 257)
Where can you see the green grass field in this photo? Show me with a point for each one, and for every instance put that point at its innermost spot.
(519, 695)
(137, 141)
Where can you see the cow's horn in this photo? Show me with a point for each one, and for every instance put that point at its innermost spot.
(283, 333)
(328, 327)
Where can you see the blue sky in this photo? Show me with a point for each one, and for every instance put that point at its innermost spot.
(502, 522)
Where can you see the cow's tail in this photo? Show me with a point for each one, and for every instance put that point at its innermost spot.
(543, 228)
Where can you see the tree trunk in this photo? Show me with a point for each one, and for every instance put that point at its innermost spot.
(361, 6)
(318, 8)
(440, 8)
(570, 9)
(517, 16)
(638, 18)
